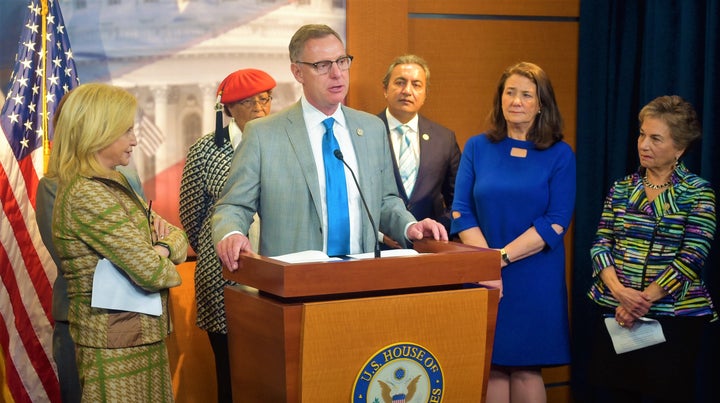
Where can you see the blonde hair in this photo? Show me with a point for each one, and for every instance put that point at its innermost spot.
(88, 119)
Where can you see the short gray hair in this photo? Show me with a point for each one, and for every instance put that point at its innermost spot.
(304, 34)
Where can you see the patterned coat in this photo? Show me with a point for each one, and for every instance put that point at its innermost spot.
(95, 218)
(204, 176)
(666, 241)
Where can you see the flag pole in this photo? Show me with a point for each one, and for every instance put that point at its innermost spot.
(43, 96)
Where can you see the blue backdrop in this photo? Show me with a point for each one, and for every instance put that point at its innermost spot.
(630, 53)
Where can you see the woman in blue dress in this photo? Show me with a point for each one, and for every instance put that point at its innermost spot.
(515, 191)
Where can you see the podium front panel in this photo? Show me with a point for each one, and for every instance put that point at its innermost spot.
(312, 327)
(444, 338)
(263, 343)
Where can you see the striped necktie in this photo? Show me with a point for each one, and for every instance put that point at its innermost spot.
(407, 162)
(338, 218)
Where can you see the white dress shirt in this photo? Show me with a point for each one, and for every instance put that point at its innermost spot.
(396, 138)
(235, 134)
(316, 130)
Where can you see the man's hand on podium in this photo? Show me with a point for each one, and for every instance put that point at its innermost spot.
(229, 249)
(427, 228)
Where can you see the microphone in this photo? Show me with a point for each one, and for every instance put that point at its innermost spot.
(339, 155)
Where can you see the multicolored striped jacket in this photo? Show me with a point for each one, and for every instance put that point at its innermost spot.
(95, 218)
(666, 241)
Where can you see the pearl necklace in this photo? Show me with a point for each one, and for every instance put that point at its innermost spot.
(651, 185)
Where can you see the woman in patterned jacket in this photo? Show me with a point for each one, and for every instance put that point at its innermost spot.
(246, 95)
(652, 243)
(121, 355)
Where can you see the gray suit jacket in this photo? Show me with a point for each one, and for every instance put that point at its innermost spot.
(273, 172)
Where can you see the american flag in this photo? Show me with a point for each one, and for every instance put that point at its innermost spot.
(149, 136)
(44, 71)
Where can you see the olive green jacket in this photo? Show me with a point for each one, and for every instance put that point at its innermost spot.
(95, 218)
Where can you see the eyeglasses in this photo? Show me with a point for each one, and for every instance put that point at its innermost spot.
(323, 66)
(250, 102)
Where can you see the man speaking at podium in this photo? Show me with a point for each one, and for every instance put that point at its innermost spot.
(290, 169)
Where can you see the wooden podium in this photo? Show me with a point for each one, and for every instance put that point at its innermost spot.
(315, 331)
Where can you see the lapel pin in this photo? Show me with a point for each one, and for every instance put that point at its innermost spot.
(426, 136)
(359, 132)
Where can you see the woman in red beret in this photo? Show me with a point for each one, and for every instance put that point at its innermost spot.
(244, 95)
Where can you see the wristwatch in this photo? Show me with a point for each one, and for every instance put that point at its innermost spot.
(504, 256)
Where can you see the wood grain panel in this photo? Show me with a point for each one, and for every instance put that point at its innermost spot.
(556, 374)
(265, 333)
(192, 363)
(465, 70)
(377, 31)
(569, 8)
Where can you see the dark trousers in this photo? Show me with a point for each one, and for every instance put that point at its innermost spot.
(665, 372)
(219, 344)
(64, 356)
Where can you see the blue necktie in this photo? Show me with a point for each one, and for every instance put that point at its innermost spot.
(338, 236)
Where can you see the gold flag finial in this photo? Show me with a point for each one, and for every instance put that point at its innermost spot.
(43, 60)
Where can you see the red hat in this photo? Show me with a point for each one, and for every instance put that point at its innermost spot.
(243, 84)
(237, 86)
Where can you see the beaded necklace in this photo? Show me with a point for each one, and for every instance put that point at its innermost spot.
(651, 185)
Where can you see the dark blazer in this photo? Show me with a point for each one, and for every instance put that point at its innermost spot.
(432, 195)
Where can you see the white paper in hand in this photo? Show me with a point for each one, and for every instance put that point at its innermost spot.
(113, 290)
(645, 332)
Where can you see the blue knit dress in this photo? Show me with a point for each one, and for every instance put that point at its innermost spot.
(505, 188)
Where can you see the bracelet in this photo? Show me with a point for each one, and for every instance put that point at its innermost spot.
(504, 256)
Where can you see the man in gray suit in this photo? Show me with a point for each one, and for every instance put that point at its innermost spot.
(276, 169)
